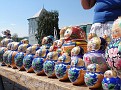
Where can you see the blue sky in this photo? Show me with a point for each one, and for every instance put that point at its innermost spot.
(14, 13)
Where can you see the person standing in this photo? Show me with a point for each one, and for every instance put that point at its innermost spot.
(105, 12)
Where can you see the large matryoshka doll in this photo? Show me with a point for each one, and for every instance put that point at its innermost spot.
(77, 70)
(74, 36)
(20, 55)
(113, 51)
(95, 54)
(14, 48)
(49, 64)
(111, 81)
(37, 63)
(3, 48)
(93, 76)
(28, 58)
(47, 42)
(62, 66)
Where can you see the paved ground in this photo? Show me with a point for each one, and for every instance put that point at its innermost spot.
(1, 84)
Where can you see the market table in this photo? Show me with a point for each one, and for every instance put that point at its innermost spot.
(30, 81)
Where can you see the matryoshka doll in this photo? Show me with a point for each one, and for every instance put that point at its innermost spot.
(77, 70)
(20, 55)
(113, 51)
(73, 36)
(28, 58)
(47, 42)
(49, 64)
(59, 45)
(62, 66)
(111, 81)
(12, 54)
(3, 48)
(95, 54)
(37, 63)
(5, 55)
(93, 76)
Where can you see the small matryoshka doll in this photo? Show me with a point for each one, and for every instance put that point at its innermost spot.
(20, 55)
(94, 54)
(37, 63)
(49, 64)
(111, 81)
(27, 60)
(47, 42)
(11, 60)
(62, 66)
(77, 70)
(113, 51)
(6, 53)
(93, 76)
(59, 45)
(25, 41)
(54, 46)
(3, 48)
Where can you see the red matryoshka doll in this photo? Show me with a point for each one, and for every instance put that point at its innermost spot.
(74, 36)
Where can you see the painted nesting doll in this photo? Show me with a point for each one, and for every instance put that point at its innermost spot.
(62, 31)
(20, 55)
(111, 81)
(37, 63)
(93, 76)
(12, 54)
(62, 66)
(73, 36)
(5, 55)
(28, 58)
(49, 64)
(3, 48)
(95, 54)
(113, 51)
(77, 70)
(47, 42)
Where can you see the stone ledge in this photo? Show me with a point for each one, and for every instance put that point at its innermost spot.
(34, 82)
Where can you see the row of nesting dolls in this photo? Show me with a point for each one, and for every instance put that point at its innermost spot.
(63, 67)
(9, 48)
(95, 54)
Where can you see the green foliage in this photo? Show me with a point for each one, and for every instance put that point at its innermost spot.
(46, 23)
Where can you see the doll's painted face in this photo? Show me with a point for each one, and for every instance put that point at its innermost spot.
(60, 43)
(44, 40)
(94, 44)
(116, 33)
(110, 74)
(75, 51)
(116, 29)
(67, 33)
